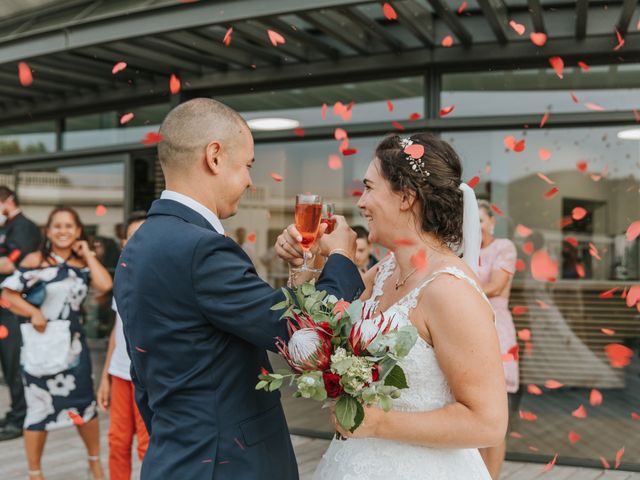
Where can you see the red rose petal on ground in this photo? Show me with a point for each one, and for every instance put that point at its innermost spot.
(558, 65)
(174, 84)
(4, 332)
(520, 265)
(524, 334)
(276, 177)
(447, 41)
(101, 211)
(390, 105)
(534, 389)
(578, 213)
(356, 193)
(496, 210)
(633, 231)
(118, 67)
(595, 397)
(619, 455)
(545, 117)
(77, 419)
(574, 437)
(604, 462)
(619, 355)
(389, 12)
(523, 231)
(127, 117)
(227, 37)
(415, 150)
(549, 466)
(474, 182)
(446, 110)
(335, 163)
(519, 310)
(24, 74)
(528, 416)
(397, 125)
(517, 27)
(580, 412)
(543, 267)
(553, 384)
(538, 39)
(527, 248)
(415, 116)
(275, 38)
(549, 194)
(583, 66)
(419, 260)
(544, 154)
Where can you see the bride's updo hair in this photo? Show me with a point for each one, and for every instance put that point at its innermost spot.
(436, 181)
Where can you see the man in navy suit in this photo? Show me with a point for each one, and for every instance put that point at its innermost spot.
(197, 317)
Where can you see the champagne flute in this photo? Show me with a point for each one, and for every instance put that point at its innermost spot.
(308, 215)
(328, 211)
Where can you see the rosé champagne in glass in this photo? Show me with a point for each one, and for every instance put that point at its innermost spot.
(328, 211)
(308, 215)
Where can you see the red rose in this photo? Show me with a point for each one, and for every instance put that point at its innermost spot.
(332, 384)
(375, 373)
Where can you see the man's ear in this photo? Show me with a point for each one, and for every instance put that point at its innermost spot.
(213, 154)
(407, 200)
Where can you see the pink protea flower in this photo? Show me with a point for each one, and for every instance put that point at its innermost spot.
(365, 331)
(309, 346)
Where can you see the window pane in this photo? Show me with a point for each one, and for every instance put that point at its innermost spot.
(612, 87)
(29, 138)
(570, 322)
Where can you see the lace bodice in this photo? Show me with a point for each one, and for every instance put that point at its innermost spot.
(373, 458)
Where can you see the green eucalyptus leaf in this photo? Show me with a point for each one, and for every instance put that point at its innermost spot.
(346, 408)
(358, 418)
(396, 378)
(261, 384)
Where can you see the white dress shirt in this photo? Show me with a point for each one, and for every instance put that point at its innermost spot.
(211, 217)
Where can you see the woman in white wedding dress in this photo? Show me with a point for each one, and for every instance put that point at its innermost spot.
(456, 401)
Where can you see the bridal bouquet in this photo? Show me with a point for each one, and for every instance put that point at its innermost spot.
(340, 352)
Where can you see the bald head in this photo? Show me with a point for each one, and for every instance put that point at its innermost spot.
(189, 127)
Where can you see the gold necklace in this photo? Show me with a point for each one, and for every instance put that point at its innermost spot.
(400, 284)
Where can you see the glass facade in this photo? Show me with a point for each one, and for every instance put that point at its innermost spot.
(31, 138)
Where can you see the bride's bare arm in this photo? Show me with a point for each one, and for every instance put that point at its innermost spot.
(460, 324)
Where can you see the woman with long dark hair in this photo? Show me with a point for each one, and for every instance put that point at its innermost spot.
(49, 288)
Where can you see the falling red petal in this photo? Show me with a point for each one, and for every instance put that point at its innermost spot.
(24, 74)
(335, 162)
(594, 106)
(523, 231)
(608, 293)
(397, 126)
(118, 67)
(519, 310)
(151, 138)
(419, 260)
(565, 222)
(527, 248)
(390, 105)
(534, 389)
(595, 397)
(542, 305)
(389, 12)
(101, 211)
(524, 334)
(545, 178)
(349, 151)
(558, 66)
(633, 296)
(528, 416)
(127, 117)
(619, 355)
(474, 181)
(509, 142)
(298, 132)
(553, 384)
(520, 265)
(276, 177)
(545, 117)
(580, 412)
(583, 66)
(174, 84)
(549, 466)
(578, 213)
(519, 147)
(517, 27)
(227, 37)
(574, 437)
(516, 435)
(415, 116)
(538, 39)
(582, 166)
(635, 416)
(571, 241)
(604, 462)
(462, 7)
(4, 332)
(543, 267)
(141, 350)
(324, 111)
(619, 455)
(446, 110)
(544, 154)
(633, 231)
(496, 210)
(549, 194)
(340, 134)
(251, 238)
(574, 98)
(447, 41)
(620, 41)
(275, 38)
(77, 419)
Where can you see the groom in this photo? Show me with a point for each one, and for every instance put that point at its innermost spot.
(197, 317)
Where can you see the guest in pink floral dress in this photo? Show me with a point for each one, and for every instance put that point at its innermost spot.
(497, 266)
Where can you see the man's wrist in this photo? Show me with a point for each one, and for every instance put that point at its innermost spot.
(343, 252)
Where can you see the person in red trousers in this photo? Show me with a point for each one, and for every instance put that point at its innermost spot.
(116, 391)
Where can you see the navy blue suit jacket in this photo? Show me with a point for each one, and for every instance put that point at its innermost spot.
(197, 322)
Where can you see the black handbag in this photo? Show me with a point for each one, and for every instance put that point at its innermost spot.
(36, 294)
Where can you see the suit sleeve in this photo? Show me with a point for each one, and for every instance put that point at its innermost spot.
(235, 299)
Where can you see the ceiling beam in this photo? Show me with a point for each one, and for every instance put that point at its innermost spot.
(156, 56)
(628, 7)
(74, 77)
(535, 9)
(178, 51)
(301, 36)
(108, 53)
(417, 20)
(582, 7)
(266, 54)
(339, 28)
(495, 12)
(253, 32)
(230, 54)
(373, 27)
(454, 23)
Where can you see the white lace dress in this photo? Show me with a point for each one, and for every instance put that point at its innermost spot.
(378, 459)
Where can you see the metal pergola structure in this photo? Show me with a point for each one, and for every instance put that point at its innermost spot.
(71, 46)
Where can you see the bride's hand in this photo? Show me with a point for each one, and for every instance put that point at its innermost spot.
(368, 428)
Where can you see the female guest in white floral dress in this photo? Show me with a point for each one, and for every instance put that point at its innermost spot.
(48, 288)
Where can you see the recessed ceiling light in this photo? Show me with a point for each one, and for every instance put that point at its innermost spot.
(631, 134)
(272, 123)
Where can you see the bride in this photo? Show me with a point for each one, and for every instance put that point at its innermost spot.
(456, 401)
